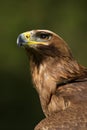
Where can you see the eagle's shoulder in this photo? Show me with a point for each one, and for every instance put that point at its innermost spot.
(69, 119)
(75, 116)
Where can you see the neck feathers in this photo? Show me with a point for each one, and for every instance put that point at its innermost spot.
(50, 70)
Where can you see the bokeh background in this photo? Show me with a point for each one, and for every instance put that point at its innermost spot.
(19, 103)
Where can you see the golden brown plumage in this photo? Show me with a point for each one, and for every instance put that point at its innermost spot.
(59, 80)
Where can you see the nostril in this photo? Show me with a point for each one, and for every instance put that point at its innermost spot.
(27, 36)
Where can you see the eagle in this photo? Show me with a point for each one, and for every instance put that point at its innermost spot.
(60, 81)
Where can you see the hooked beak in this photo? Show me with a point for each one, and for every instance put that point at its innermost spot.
(23, 39)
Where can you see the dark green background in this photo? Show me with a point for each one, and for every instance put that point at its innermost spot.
(19, 103)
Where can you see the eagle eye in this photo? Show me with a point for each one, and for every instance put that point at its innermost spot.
(44, 35)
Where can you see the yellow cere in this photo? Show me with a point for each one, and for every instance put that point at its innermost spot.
(27, 35)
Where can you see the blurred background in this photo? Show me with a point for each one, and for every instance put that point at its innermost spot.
(19, 103)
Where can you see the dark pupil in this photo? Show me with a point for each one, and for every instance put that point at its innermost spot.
(43, 36)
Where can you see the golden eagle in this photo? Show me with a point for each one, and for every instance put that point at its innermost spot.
(59, 79)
